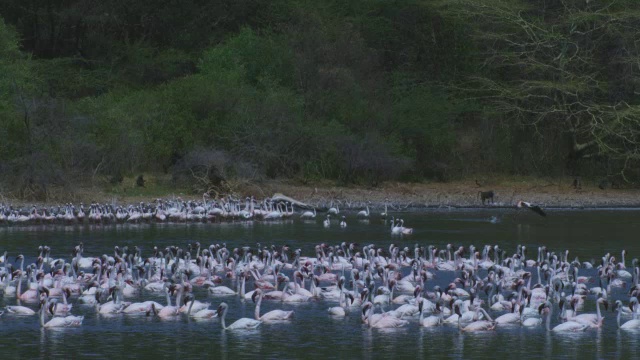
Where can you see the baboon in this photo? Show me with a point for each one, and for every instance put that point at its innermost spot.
(140, 181)
(486, 195)
(577, 183)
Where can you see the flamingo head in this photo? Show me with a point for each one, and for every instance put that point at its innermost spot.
(366, 307)
(188, 297)
(221, 308)
(256, 294)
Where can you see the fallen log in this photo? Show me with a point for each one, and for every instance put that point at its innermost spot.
(300, 204)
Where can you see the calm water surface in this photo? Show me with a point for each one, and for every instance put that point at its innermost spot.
(312, 333)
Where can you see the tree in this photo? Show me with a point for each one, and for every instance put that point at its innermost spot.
(564, 67)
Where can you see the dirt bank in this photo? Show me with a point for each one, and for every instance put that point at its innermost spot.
(464, 194)
(546, 193)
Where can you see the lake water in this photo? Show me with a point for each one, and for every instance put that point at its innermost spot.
(312, 333)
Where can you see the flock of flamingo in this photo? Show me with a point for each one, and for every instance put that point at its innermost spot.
(385, 287)
(165, 210)
(178, 210)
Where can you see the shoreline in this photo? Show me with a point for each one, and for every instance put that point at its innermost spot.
(398, 196)
(464, 195)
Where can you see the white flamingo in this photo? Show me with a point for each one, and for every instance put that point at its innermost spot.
(273, 315)
(569, 326)
(327, 222)
(364, 213)
(308, 214)
(479, 325)
(632, 324)
(60, 321)
(240, 324)
(334, 210)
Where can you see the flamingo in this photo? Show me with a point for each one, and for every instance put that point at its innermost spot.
(62, 309)
(405, 230)
(479, 325)
(308, 214)
(29, 295)
(221, 291)
(195, 305)
(508, 318)
(202, 313)
(364, 213)
(240, 324)
(569, 326)
(530, 321)
(592, 320)
(111, 307)
(385, 213)
(56, 322)
(334, 210)
(340, 310)
(396, 229)
(273, 315)
(20, 310)
(433, 320)
(631, 324)
(382, 320)
(141, 308)
(327, 222)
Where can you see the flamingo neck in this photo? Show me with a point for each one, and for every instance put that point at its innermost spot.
(18, 294)
(257, 311)
(224, 315)
(42, 310)
(370, 316)
(190, 306)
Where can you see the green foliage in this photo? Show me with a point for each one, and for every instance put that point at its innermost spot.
(360, 91)
(257, 59)
(16, 85)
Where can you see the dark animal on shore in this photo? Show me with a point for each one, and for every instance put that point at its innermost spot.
(606, 183)
(534, 208)
(486, 195)
(140, 181)
(577, 183)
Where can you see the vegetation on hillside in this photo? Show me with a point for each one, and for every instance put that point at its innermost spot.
(357, 91)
